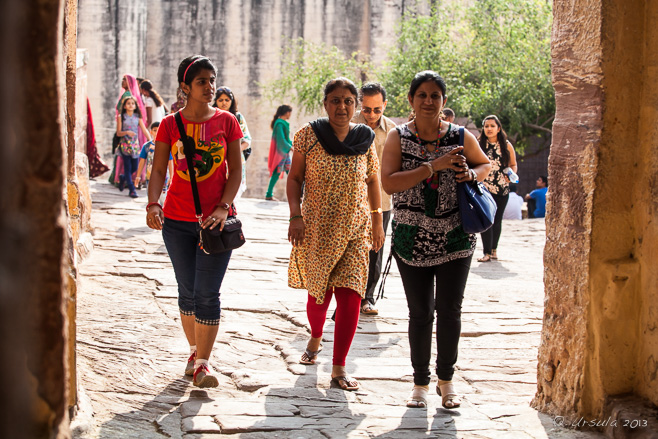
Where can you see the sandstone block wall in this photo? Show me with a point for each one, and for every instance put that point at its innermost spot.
(149, 38)
(600, 338)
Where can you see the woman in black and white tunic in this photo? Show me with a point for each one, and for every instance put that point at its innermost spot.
(421, 165)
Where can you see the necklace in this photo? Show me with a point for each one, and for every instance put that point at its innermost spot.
(423, 150)
(433, 180)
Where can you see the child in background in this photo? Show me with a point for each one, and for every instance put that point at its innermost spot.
(129, 124)
(146, 158)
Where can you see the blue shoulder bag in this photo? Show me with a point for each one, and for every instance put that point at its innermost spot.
(476, 205)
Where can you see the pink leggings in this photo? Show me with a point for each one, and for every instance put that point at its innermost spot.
(347, 317)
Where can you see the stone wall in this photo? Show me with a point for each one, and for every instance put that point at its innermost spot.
(33, 227)
(600, 337)
(149, 38)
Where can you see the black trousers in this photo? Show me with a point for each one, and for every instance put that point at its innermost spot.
(423, 300)
(375, 265)
(491, 237)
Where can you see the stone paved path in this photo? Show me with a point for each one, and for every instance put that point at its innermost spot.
(132, 352)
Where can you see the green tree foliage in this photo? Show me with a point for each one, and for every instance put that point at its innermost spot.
(495, 58)
(308, 67)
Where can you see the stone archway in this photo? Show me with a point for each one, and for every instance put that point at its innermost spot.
(600, 336)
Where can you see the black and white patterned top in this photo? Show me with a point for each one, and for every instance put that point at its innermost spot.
(427, 227)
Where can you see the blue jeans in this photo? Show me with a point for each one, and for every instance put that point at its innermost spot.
(199, 275)
(129, 167)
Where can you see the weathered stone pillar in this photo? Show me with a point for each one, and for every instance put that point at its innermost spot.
(33, 231)
(600, 337)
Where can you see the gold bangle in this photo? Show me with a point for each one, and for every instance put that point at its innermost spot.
(429, 166)
(378, 210)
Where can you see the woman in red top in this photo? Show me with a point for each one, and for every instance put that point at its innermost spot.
(217, 135)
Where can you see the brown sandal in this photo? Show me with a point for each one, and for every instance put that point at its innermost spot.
(368, 310)
(345, 382)
(309, 357)
(485, 258)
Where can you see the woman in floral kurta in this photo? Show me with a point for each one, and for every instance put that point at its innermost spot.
(331, 233)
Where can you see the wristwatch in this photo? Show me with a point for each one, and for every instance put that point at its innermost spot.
(378, 210)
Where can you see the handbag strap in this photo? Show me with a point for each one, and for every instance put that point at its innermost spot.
(189, 149)
(461, 136)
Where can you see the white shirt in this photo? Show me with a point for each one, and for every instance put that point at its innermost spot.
(514, 206)
(157, 113)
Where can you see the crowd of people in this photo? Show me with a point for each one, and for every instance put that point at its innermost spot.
(351, 174)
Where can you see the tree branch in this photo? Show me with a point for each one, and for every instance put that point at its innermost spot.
(537, 127)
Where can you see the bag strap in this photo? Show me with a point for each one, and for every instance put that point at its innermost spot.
(461, 136)
(189, 149)
(387, 269)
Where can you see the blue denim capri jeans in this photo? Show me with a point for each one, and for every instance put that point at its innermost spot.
(198, 274)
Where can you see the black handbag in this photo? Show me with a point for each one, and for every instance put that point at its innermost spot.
(246, 153)
(115, 142)
(476, 205)
(211, 241)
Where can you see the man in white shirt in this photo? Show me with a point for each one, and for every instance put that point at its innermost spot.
(514, 205)
(372, 97)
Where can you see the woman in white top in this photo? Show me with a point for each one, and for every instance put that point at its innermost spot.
(155, 106)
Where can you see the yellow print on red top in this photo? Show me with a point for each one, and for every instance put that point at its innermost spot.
(208, 155)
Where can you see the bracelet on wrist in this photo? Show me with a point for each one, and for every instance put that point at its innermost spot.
(474, 175)
(428, 165)
(148, 206)
(295, 217)
(224, 206)
(378, 210)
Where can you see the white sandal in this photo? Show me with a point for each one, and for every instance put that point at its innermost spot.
(449, 399)
(418, 397)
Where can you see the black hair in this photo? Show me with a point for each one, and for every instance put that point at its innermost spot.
(123, 106)
(513, 187)
(148, 88)
(425, 76)
(447, 112)
(195, 63)
(501, 137)
(155, 125)
(283, 109)
(372, 89)
(340, 82)
(223, 90)
(544, 179)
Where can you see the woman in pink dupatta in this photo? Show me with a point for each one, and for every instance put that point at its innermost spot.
(129, 87)
(279, 160)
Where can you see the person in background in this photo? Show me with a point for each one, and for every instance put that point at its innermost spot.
(129, 87)
(181, 101)
(226, 100)
(422, 164)
(146, 161)
(279, 160)
(129, 123)
(537, 199)
(448, 115)
(514, 205)
(341, 219)
(154, 104)
(494, 143)
(216, 135)
(373, 103)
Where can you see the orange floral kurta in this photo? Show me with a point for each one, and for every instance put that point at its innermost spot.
(336, 218)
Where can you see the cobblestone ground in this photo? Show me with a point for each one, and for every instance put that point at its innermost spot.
(131, 350)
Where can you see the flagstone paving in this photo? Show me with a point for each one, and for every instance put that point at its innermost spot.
(131, 351)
